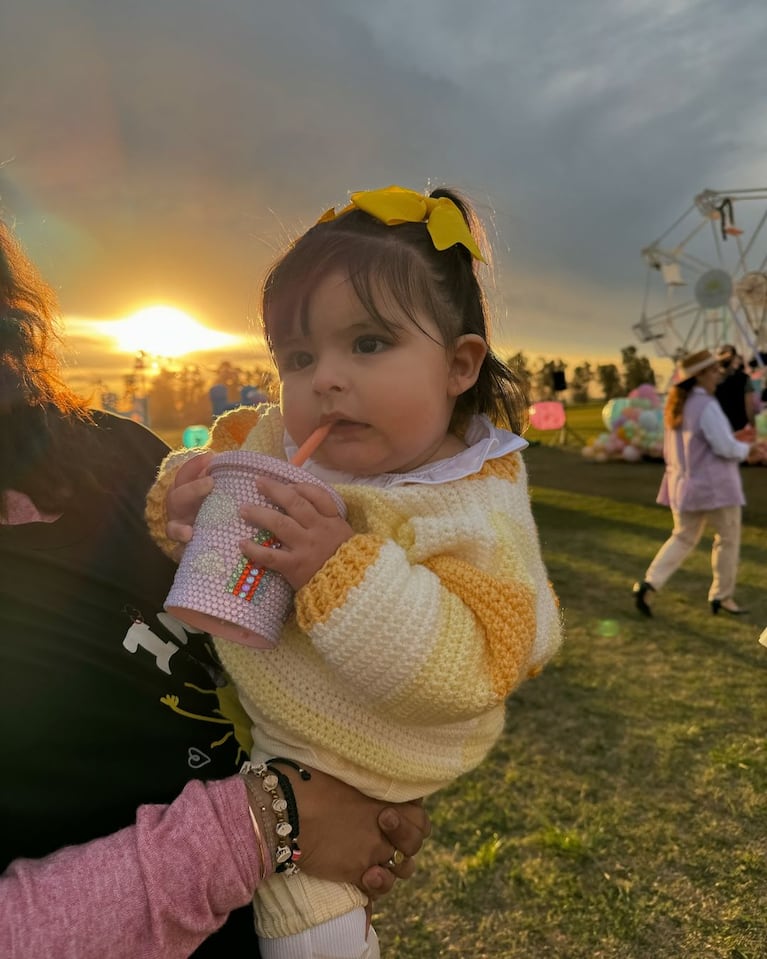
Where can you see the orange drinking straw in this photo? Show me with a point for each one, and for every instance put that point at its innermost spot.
(310, 444)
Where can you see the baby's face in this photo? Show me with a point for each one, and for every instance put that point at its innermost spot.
(388, 395)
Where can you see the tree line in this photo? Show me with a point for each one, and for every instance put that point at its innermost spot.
(546, 379)
(176, 395)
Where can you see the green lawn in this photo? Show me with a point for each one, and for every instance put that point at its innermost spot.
(623, 813)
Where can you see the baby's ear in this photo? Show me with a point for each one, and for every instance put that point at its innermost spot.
(469, 352)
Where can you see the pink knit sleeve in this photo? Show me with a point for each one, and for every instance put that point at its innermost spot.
(155, 889)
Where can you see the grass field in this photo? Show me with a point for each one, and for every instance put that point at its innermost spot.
(623, 813)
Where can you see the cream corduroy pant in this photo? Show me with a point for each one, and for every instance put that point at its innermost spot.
(688, 529)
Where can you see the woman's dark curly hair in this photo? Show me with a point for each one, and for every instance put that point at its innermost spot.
(45, 428)
(398, 265)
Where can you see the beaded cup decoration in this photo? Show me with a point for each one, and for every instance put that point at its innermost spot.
(216, 588)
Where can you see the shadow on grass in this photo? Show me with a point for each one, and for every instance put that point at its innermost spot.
(622, 813)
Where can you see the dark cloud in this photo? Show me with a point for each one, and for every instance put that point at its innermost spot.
(167, 151)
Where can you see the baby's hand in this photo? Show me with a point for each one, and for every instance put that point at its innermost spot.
(182, 504)
(309, 529)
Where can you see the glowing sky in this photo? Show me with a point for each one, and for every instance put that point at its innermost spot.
(163, 152)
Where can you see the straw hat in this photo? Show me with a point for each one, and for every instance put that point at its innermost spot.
(726, 352)
(692, 364)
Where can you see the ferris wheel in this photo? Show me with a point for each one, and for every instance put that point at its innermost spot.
(706, 280)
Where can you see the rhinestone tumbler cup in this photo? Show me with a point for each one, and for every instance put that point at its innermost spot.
(216, 588)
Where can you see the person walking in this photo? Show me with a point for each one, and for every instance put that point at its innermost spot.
(701, 484)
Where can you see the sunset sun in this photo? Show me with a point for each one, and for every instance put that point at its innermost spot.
(165, 331)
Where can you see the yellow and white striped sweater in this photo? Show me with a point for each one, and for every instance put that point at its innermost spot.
(393, 672)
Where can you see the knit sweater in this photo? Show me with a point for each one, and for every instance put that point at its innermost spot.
(393, 672)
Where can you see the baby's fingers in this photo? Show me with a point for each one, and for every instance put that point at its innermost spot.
(302, 501)
(193, 468)
(179, 532)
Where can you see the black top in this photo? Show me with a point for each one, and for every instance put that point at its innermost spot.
(731, 393)
(104, 704)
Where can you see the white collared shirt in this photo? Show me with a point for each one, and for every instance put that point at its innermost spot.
(484, 442)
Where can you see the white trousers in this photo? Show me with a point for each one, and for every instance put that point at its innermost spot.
(688, 529)
(345, 937)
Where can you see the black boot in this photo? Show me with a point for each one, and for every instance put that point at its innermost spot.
(640, 591)
(717, 604)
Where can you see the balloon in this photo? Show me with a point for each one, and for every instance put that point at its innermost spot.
(646, 391)
(195, 435)
(548, 416)
(650, 420)
(612, 410)
(615, 444)
(635, 424)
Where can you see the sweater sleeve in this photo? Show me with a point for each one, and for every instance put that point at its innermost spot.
(453, 611)
(156, 889)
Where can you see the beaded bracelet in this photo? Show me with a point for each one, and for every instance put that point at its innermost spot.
(287, 789)
(287, 852)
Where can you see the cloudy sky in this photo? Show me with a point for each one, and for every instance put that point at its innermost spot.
(164, 150)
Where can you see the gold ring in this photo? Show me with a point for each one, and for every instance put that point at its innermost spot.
(395, 859)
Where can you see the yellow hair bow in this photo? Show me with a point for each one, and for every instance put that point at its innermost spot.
(394, 205)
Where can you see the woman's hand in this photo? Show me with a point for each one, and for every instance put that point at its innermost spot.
(405, 826)
(349, 837)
